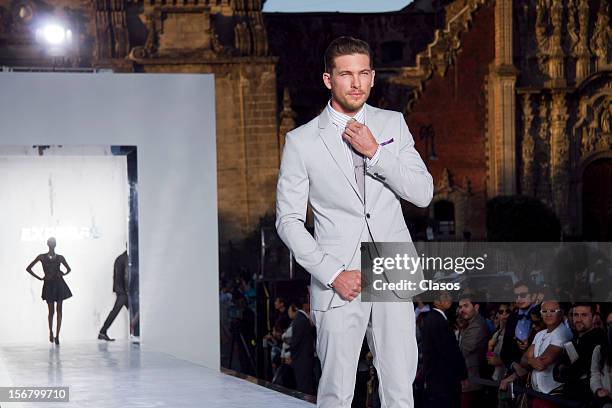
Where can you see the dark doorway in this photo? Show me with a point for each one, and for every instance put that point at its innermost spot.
(597, 201)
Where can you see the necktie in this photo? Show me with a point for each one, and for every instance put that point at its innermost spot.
(359, 175)
(358, 163)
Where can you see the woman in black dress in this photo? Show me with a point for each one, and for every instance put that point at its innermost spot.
(55, 289)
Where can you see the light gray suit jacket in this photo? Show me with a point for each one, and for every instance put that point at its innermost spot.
(315, 169)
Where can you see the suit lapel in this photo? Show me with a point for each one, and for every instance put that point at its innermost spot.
(373, 122)
(333, 143)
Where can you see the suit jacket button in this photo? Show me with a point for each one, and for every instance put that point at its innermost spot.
(368, 215)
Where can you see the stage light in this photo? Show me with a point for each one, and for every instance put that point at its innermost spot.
(54, 35)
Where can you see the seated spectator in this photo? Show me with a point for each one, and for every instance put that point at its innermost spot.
(575, 366)
(546, 351)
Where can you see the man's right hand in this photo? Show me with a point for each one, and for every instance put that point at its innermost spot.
(348, 284)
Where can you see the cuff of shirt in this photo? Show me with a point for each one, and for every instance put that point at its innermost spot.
(374, 159)
(329, 284)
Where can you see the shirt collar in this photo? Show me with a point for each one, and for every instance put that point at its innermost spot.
(340, 119)
(441, 312)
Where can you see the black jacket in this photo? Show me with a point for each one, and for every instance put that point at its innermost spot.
(510, 351)
(576, 375)
(443, 363)
(119, 274)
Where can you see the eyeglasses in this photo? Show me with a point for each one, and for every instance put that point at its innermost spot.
(503, 311)
(550, 311)
(522, 294)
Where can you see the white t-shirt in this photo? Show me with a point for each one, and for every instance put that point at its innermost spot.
(543, 380)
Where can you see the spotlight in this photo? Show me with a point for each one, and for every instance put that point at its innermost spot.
(54, 35)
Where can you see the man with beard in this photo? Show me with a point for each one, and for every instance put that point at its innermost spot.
(352, 163)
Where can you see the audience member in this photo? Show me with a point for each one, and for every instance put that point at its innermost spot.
(473, 345)
(444, 369)
(301, 346)
(575, 365)
(518, 326)
(545, 351)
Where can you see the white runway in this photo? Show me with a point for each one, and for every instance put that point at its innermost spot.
(120, 374)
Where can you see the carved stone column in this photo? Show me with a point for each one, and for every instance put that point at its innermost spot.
(602, 35)
(583, 55)
(559, 155)
(501, 106)
(528, 147)
(556, 61)
(543, 152)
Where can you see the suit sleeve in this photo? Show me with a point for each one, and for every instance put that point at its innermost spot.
(405, 173)
(291, 200)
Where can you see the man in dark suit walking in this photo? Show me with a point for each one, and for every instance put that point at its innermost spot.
(120, 289)
(444, 368)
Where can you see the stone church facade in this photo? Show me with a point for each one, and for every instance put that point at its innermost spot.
(502, 97)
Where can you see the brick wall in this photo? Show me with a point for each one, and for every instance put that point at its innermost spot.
(456, 107)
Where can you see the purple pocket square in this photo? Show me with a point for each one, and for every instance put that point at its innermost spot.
(387, 142)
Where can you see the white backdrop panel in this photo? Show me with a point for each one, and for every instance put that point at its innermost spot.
(62, 192)
(170, 118)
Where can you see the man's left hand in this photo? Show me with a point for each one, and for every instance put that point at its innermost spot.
(360, 137)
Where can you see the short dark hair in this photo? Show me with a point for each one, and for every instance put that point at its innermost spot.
(345, 46)
(585, 304)
(527, 284)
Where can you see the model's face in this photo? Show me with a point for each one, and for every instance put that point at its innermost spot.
(583, 318)
(350, 82)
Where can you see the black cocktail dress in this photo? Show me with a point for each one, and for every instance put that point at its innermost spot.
(54, 288)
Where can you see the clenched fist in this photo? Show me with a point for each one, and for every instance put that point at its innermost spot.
(348, 284)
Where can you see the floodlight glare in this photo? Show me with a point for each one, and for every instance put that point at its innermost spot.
(54, 34)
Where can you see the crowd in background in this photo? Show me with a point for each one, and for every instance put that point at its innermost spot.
(533, 352)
